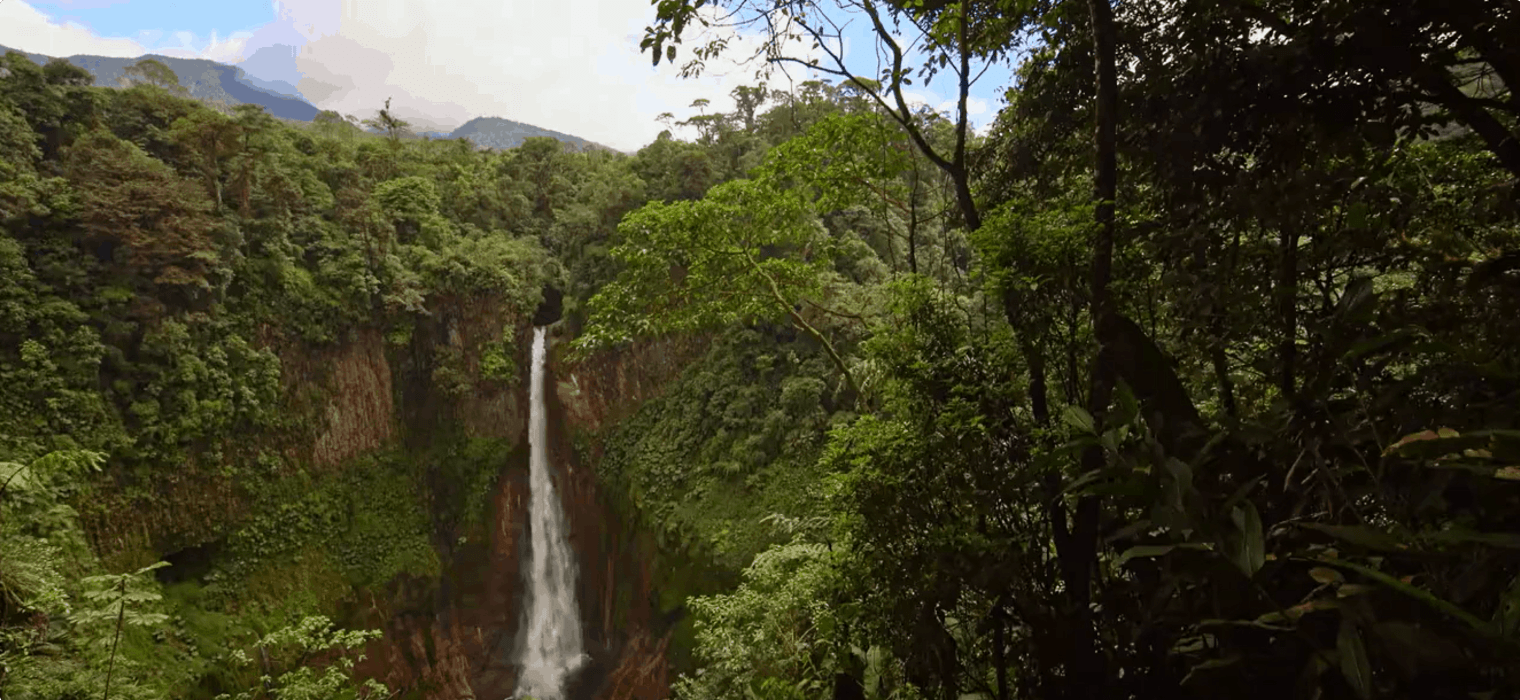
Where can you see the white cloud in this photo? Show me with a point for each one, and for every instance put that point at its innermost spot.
(975, 107)
(570, 65)
(23, 27)
(229, 50)
(918, 98)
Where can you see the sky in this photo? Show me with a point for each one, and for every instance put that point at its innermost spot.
(569, 65)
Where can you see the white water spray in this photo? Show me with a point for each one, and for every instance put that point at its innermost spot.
(551, 645)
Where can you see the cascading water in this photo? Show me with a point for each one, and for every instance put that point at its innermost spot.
(551, 643)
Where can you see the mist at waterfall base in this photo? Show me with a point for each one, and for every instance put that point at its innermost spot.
(550, 643)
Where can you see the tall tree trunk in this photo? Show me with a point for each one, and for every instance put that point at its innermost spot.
(1105, 138)
(1222, 372)
(999, 660)
(1287, 311)
(1039, 392)
(1088, 677)
(1218, 342)
(963, 198)
(913, 229)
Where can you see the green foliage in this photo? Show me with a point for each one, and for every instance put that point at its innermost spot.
(1202, 490)
(1280, 464)
(38, 530)
(157, 259)
(286, 649)
(369, 521)
(771, 638)
(118, 600)
(515, 268)
(842, 160)
(131, 202)
(702, 265)
(411, 203)
(496, 361)
(387, 123)
(153, 72)
(60, 630)
(733, 441)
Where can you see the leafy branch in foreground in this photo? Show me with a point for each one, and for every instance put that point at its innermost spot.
(293, 646)
(111, 594)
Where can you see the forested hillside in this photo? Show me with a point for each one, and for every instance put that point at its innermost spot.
(208, 81)
(1196, 376)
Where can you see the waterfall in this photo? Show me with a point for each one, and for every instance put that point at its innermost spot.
(551, 644)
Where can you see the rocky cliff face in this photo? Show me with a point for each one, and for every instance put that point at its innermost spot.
(629, 644)
(609, 386)
(458, 641)
(456, 638)
(454, 635)
(342, 403)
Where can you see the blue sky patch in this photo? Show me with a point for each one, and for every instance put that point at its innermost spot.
(129, 18)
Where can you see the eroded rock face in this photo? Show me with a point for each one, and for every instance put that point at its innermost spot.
(476, 328)
(610, 386)
(429, 655)
(616, 581)
(454, 637)
(461, 641)
(642, 671)
(354, 377)
(345, 389)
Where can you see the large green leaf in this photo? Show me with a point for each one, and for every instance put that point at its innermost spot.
(1415, 592)
(1507, 617)
(1079, 419)
(1510, 540)
(1210, 665)
(1250, 552)
(1144, 551)
(1359, 535)
(1353, 656)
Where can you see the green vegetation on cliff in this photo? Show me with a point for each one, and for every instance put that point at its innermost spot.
(213, 327)
(1193, 376)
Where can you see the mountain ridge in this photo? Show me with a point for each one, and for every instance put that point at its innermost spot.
(502, 133)
(221, 83)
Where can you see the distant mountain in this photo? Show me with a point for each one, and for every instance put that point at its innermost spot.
(423, 124)
(501, 134)
(207, 81)
(214, 82)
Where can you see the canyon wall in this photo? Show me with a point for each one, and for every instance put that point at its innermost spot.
(449, 635)
(459, 642)
(625, 636)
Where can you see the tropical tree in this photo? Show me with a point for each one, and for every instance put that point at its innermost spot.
(387, 123)
(151, 71)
